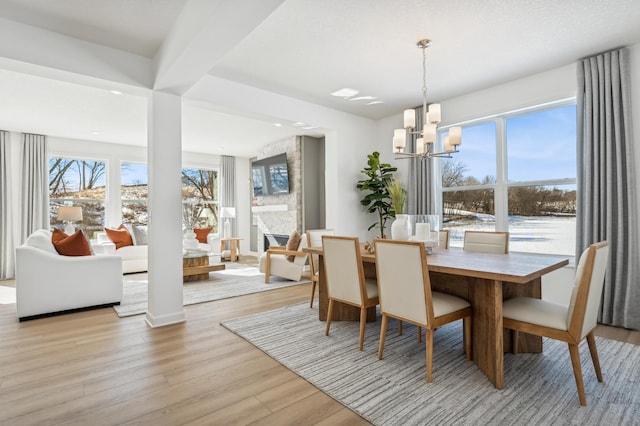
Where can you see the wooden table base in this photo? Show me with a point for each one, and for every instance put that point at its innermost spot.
(198, 268)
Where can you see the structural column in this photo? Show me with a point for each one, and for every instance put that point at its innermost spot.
(164, 149)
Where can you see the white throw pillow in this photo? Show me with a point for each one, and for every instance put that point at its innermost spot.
(41, 239)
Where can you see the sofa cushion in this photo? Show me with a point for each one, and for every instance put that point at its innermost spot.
(292, 244)
(75, 244)
(138, 234)
(41, 239)
(201, 234)
(119, 236)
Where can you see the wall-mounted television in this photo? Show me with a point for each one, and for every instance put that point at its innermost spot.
(270, 176)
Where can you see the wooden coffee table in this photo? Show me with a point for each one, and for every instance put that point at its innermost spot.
(195, 267)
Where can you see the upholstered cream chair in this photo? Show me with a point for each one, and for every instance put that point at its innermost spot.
(345, 278)
(275, 261)
(443, 239)
(486, 242)
(570, 323)
(314, 239)
(405, 294)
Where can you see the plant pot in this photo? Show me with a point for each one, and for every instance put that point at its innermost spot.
(401, 227)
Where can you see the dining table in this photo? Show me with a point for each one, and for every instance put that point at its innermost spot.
(483, 279)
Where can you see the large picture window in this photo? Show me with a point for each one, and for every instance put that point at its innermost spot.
(134, 193)
(80, 183)
(200, 198)
(516, 173)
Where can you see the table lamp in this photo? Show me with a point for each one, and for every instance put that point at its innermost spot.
(227, 213)
(69, 214)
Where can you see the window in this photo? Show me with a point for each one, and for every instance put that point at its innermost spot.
(199, 195)
(134, 192)
(78, 183)
(516, 173)
(200, 198)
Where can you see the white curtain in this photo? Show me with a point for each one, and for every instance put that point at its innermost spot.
(35, 185)
(606, 182)
(228, 186)
(7, 269)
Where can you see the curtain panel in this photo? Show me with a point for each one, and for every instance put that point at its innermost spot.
(7, 269)
(228, 186)
(607, 205)
(421, 185)
(35, 185)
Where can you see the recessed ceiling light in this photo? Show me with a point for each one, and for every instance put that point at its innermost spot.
(277, 124)
(375, 102)
(221, 148)
(345, 93)
(116, 92)
(299, 124)
(362, 98)
(95, 132)
(310, 127)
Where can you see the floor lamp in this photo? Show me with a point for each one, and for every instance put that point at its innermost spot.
(69, 214)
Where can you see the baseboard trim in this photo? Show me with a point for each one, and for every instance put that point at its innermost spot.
(164, 320)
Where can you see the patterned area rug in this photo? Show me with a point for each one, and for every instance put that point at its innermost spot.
(539, 388)
(235, 280)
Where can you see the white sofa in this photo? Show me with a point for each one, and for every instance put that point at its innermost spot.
(47, 282)
(135, 257)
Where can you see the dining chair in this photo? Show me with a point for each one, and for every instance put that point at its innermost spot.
(443, 238)
(486, 242)
(314, 239)
(405, 294)
(572, 323)
(346, 282)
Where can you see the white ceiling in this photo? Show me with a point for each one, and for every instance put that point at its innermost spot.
(307, 49)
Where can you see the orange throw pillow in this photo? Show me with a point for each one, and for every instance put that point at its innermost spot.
(292, 244)
(201, 234)
(119, 236)
(75, 244)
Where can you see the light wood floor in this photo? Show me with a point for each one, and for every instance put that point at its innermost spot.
(95, 368)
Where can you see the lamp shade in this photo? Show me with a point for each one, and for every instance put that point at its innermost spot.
(228, 212)
(66, 213)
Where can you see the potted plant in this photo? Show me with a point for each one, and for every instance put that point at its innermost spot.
(398, 196)
(401, 227)
(377, 200)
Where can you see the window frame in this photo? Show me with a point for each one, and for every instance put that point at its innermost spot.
(502, 185)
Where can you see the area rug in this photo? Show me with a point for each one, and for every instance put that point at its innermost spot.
(235, 280)
(539, 388)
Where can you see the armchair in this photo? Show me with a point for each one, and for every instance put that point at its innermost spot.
(274, 262)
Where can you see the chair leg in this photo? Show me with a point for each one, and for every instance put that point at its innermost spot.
(399, 328)
(514, 341)
(419, 334)
(466, 329)
(594, 355)
(363, 323)
(429, 350)
(313, 292)
(329, 313)
(383, 334)
(577, 372)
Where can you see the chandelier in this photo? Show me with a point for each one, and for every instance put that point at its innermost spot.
(427, 136)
